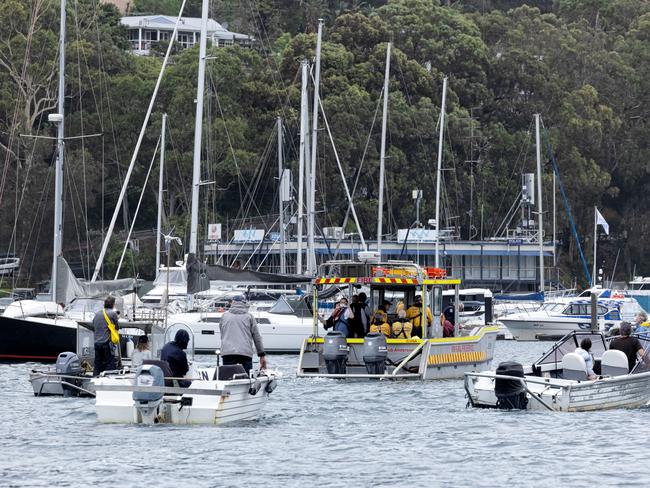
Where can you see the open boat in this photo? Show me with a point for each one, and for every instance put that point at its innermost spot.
(215, 396)
(558, 380)
(377, 357)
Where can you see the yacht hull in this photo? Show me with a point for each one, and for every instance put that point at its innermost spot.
(35, 339)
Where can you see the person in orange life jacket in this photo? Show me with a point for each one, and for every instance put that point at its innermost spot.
(379, 319)
(104, 351)
(340, 318)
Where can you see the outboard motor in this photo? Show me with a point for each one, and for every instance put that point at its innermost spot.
(335, 352)
(510, 394)
(147, 402)
(68, 364)
(375, 353)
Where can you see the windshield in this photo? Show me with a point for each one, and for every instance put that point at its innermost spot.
(176, 277)
(570, 343)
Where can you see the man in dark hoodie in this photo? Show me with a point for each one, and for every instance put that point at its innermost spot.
(238, 334)
(173, 353)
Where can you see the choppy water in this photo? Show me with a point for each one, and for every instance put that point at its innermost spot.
(325, 433)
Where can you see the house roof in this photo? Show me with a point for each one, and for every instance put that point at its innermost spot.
(187, 24)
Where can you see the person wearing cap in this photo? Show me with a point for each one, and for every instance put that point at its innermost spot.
(414, 314)
(240, 336)
(628, 344)
(173, 352)
(141, 351)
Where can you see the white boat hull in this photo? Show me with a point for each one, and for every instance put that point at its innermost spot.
(532, 329)
(235, 404)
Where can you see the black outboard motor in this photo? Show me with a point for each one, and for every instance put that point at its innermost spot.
(147, 402)
(375, 353)
(335, 352)
(68, 364)
(510, 394)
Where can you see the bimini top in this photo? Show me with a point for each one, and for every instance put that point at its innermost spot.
(389, 273)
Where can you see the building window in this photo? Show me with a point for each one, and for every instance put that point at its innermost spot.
(185, 39)
(164, 36)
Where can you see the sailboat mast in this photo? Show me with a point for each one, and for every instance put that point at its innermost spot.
(198, 131)
(382, 154)
(304, 115)
(58, 178)
(160, 191)
(593, 274)
(311, 222)
(540, 215)
(439, 168)
(283, 256)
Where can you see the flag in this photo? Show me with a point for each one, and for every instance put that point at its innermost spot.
(600, 220)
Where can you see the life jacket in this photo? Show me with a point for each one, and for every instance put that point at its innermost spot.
(402, 330)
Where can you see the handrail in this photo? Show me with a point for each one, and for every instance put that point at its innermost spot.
(408, 358)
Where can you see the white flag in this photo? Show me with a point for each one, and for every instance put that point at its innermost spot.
(600, 220)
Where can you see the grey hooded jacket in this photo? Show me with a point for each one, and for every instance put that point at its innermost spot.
(239, 331)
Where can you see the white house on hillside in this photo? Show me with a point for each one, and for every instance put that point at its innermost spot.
(144, 30)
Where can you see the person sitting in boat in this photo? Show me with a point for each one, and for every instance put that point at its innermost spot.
(361, 320)
(340, 318)
(628, 344)
(141, 352)
(414, 314)
(173, 352)
(584, 351)
(447, 326)
(106, 325)
(641, 324)
(379, 319)
(239, 333)
(403, 327)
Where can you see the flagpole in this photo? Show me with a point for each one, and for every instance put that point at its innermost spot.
(593, 275)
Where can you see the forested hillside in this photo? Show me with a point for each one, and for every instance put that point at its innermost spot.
(583, 65)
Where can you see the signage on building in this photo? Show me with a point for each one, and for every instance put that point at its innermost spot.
(214, 232)
(416, 235)
(248, 235)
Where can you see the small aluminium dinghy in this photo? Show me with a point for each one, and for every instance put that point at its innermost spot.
(558, 380)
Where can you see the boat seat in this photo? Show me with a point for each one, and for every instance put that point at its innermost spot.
(164, 365)
(614, 363)
(229, 371)
(574, 367)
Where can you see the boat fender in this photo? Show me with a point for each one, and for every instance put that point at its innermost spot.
(270, 386)
(255, 387)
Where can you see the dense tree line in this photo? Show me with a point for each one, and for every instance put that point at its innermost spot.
(584, 66)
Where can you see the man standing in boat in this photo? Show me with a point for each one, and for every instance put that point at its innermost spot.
(239, 333)
(107, 338)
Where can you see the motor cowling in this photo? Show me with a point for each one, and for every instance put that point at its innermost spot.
(68, 364)
(510, 394)
(149, 375)
(375, 353)
(335, 352)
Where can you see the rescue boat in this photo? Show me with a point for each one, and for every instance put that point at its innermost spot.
(377, 356)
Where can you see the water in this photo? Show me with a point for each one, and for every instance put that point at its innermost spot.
(325, 433)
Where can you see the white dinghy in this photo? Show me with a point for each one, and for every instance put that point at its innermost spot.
(150, 396)
(558, 380)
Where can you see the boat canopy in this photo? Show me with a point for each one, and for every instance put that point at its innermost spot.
(69, 287)
(391, 273)
(200, 274)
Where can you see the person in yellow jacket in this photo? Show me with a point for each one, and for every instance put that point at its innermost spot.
(402, 328)
(641, 324)
(379, 319)
(414, 315)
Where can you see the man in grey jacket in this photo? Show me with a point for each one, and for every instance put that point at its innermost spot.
(104, 356)
(238, 334)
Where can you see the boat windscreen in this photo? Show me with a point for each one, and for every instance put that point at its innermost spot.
(176, 277)
(643, 366)
(282, 307)
(569, 343)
